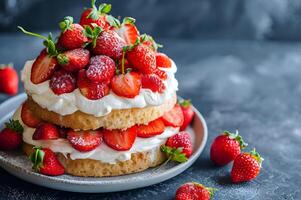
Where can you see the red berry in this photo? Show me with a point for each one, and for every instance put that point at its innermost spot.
(120, 140)
(74, 60)
(100, 20)
(11, 136)
(162, 60)
(101, 69)
(246, 167)
(43, 68)
(73, 37)
(45, 161)
(153, 128)
(188, 114)
(152, 82)
(226, 147)
(174, 117)
(162, 74)
(62, 82)
(91, 90)
(194, 191)
(28, 117)
(46, 131)
(142, 58)
(181, 140)
(8, 80)
(109, 43)
(84, 140)
(129, 33)
(126, 85)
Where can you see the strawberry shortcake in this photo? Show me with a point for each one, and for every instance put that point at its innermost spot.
(101, 100)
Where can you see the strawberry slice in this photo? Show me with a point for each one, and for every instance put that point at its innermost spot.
(43, 68)
(129, 33)
(153, 128)
(153, 82)
(162, 60)
(126, 85)
(46, 131)
(174, 117)
(84, 140)
(91, 90)
(120, 140)
(28, 117)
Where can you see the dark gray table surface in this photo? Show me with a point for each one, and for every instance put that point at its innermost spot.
(254, 87)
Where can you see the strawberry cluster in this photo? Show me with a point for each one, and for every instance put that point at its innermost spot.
(100, 54)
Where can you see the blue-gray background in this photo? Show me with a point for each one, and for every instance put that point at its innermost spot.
(238, 61)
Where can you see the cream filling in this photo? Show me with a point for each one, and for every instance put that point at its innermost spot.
(69, 103)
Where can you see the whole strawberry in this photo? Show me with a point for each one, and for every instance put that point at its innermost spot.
(74, 60)
(62, 82)
(8, 80)
(246, 167)
(187, 112)
(226, 147)
(11, 136)
(45, 161)
(101, 69)
(72, 36)
(194, 191)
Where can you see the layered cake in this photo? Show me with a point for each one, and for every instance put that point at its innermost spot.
(101, 100)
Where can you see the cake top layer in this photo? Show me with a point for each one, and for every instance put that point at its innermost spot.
(98, 65)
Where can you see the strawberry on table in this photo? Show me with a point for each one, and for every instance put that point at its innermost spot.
(72, 36)
(120, 140)
(226, 147)
(45, 161)
(162, 60)
(90, 89)
(84, 140)
(153, 128)
(188, 113)
(109, 43)
(174, 117)
(28, 117)
(128, 31)
(178, 147)
(152, 82)
(8, 79)
(46, 131)
(194, 191)
(62, 82)
(96, 16)
(246, 167)
(74, 60)
(101, 69)
(11, 135)
(46, 63)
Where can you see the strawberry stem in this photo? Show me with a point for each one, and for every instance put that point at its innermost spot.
(36, 158)
(185, 103)
(32, 34)
(15, 126)
(236, 137)
(257, 156)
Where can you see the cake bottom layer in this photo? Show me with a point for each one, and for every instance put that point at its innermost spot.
(117, 119)
(139, 161)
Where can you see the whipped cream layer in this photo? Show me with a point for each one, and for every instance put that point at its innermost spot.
(69, 103)
(103, 152)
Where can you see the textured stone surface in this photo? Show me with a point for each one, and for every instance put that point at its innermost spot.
(251, 86)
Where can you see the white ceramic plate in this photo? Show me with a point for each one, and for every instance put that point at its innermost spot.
(18, 164)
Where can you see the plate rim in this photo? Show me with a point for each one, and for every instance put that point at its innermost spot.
(36, 178)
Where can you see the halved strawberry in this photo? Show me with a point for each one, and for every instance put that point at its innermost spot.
(101, 69)
(28, 117)
(45, 131)
(174, 117)
(162, 60)
(152, 82)
(129, 33)
(74, 60)
(43, 68)
(126, 85)
(91, 90)
(153, 128)
(84, 140)
(62, 82)
(120, 140)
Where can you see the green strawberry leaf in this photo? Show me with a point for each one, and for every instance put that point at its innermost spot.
(15, 126)
(128, 20)
(113, 21)
(185, 103)
(37, 158)
(66, 23)
(174, 154)
(104, 8)
(257, 156)
(236, 137)
(92, 33)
